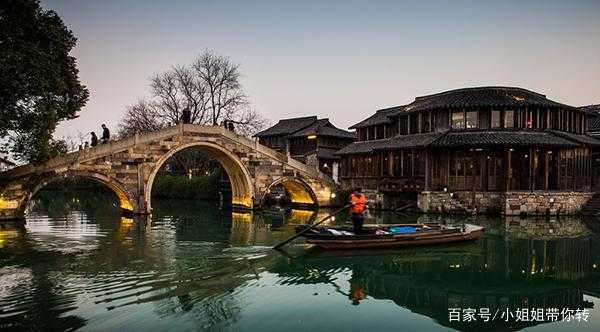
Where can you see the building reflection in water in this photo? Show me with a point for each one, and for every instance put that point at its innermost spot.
(194, 260)
(502, 270)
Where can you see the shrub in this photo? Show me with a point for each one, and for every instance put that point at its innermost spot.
(171, 186)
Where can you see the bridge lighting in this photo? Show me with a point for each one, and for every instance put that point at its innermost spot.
(311, 136)
(4, 204)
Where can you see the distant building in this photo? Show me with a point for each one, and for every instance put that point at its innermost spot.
(593, 112)
(309, 140)
(480, 149)
(5, 164)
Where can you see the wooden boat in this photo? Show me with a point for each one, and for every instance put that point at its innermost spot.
(386, 236)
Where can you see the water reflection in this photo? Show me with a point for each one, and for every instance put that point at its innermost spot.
(191, 266)
(495, 273)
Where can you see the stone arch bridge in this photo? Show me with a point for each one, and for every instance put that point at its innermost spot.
(128, 167)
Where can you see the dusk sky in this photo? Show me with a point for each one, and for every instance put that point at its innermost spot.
(336, 59)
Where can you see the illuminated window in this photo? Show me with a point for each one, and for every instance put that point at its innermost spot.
(458, 120)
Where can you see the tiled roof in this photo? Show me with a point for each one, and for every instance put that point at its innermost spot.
(323, 127)
(411, 141)
(483, 97)
(380, 117)
(472, 139)
(363, 147)
(287, 126)
(582, 139)
(327, 154)
(592, 109)
(396, 142)
(477, 139)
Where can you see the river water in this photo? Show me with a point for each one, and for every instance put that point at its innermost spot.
(78, 264)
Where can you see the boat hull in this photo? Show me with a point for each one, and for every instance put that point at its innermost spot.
(331, 242)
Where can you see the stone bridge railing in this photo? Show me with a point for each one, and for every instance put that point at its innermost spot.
(137, 140)
(128, 167)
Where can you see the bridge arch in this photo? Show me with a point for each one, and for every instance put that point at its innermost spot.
(300, 192)
(127, 199)
(242, 188)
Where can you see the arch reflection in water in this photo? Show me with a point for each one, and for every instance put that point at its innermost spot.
(195, 267)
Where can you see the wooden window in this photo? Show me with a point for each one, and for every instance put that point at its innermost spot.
(407, 163)
(529, 119)
(419, 163)
(542, 119)
(385, 164)
(554, 119)
(397, 162)
(441, 120)
(495, 171)
(472, 119)
(484, 119)
(496, 122)
(413, 124)
(426, 122)
(392, 130)
(509, 119)
(458, 120)
(379, 132)
(403, 125)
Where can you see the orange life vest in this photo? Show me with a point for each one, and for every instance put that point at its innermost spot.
(358, 203)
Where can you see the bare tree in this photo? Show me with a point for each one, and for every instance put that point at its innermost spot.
(194, 92)
(222, 79)
(210, 89)
(141, 117)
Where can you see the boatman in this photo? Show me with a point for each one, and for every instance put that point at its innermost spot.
(359, 205)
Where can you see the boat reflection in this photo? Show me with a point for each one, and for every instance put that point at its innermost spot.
(194, 265)
(497, 272)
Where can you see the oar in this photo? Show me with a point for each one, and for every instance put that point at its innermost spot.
(281, 244)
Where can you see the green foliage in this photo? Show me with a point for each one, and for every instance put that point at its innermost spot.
(170, 186)
(39, 83)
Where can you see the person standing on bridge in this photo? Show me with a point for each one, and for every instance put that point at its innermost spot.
(105, 134)
(186, 116)
(94, 140)
(358, 204)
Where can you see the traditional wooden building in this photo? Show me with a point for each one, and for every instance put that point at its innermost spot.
(501, 149)
(593, 112)
(308, 139)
